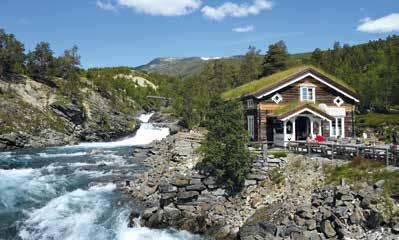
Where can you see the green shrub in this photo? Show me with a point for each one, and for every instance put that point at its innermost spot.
(278, 154)
(276, 176)
(224, 147)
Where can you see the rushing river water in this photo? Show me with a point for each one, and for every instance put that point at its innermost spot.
(64, 193)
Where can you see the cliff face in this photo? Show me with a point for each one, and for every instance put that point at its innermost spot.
(37, 114)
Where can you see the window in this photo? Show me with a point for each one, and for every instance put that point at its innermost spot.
(251, 127)
(338, 101)
(337, 127)
(250, 103)
(307, 93)
(277, 98)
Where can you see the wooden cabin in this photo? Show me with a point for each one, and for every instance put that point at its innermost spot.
(295, 104)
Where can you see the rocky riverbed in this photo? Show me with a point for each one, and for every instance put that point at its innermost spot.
(283, 198)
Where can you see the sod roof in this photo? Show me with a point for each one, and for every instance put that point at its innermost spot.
(266, 83)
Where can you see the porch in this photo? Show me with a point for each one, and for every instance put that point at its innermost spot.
(303, 123)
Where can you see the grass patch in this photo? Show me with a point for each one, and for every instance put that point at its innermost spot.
(278, 154)
(363, 170)
(377, 119)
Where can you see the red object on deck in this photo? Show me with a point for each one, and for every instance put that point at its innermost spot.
(320, 138)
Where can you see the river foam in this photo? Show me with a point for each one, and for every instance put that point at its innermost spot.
(46, 193)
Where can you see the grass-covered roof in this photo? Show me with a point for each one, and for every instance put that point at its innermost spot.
(257, 85)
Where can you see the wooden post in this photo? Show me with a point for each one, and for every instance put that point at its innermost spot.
(332, 151)
(264, 150)
(387, 157)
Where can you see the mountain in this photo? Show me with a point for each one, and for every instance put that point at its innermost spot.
(183, 66)
(194, 65)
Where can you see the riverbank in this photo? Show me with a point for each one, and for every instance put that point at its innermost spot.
(175, 193)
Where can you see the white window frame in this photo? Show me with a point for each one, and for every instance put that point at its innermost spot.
(313, 89)
(277, 98)
(251, 126)
(250, 103)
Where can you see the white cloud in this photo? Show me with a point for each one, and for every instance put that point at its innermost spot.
(230, 9)
(245, 29)
(162, 7)
(389, 23)
(106, 6)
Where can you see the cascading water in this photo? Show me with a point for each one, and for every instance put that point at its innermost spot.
(66, 192)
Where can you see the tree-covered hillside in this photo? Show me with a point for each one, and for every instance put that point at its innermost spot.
(371, 68)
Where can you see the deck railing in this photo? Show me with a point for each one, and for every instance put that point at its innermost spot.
(386, 153)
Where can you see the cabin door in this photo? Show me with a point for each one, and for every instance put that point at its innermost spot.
(302, 128)
(269, 130)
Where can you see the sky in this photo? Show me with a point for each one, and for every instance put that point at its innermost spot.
(133, 32)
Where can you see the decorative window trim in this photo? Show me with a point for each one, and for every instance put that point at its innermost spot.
(250, 103)
(302, 88)
(338, 101)
(277, 98)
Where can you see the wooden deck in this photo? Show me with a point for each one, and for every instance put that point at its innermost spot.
(333, 150)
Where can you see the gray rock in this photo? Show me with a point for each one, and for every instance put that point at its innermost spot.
(148, 212)
(195, 181)
(379, 183)
(219, 192)
(328, 229)
(357, 217)
(347, 197)
(311, 224)
(184, 197)
(249, 183)
(342, 212)
(196, 187)
(167, 188)
(299, 221)
(171, 213)
(209, 181)
(257, 177)
(395, 228)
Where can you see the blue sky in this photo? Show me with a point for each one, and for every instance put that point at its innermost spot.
(133, 32)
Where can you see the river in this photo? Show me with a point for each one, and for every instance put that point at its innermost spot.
(66, 193)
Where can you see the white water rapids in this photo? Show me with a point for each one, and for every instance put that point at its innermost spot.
(67, 193)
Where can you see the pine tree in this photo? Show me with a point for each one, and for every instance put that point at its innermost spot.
(67, 65)
(41, 64)
(250, 67)
(11, 54)
(224, 147)
(275, 59)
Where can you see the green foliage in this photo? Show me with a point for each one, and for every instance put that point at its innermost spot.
(278, 154)
(377, 119)
(11, 54)
(250, 67)
(110, 85)
(41, 62)
(67, 65)
(276, 176)
(275, 59)
(224, 147)
(372, 68)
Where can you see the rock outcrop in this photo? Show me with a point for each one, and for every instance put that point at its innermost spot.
(34, 114)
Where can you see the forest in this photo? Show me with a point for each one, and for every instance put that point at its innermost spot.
(371, 68)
